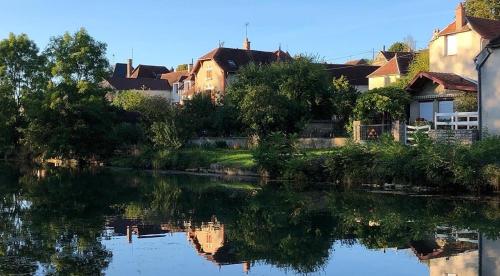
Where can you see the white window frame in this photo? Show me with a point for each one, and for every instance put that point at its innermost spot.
(451, 45)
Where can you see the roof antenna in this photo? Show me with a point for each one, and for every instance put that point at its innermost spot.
(246, 30)
(132, 53)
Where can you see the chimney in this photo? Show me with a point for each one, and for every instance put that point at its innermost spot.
(129, 68)
(246, 44)
(460, 17)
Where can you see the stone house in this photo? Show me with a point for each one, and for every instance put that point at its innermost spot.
(488, 66)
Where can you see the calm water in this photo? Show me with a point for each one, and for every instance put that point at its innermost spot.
(128, 223)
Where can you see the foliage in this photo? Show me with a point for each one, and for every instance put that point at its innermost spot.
(8, 112)
(466, 103)
(273, 152)
(181, 67)
(382, 105)
(281, 96)
(419, 64)
(164, 135)
(483, 8)
(399, 47)
(344, 99)
(71, 118)
(77, 58)
(21, 66)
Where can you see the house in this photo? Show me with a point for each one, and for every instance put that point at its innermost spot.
(488, 66)
(358, 62)
(391, 71)
(355, 74)
(452, 68)
(146, 79)
(383, 57)
(180, 82)
(435, 92)
(214, 71)
(454, 49)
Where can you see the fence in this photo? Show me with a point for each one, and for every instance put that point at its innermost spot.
(457, 120)
(411, 130)
(373, 132)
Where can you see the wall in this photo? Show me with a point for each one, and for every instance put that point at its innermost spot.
(464, 136)
(464, 264)
(216, 83)
(490, 94)
(490, 257)
(382, 81)
(469, 44)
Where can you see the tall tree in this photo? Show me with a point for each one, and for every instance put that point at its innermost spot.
(21, 66)
(73, 119)
(483, 8)
(8, 113)
(399, 47)
(344, 99)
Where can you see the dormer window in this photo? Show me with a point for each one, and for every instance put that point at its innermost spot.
(451, 45)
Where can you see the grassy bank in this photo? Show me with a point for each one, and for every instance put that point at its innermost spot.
(187, 159)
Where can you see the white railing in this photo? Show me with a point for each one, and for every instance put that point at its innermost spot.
(410, 130)
(457, 120)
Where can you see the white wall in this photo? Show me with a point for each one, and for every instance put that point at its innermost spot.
(490, 93)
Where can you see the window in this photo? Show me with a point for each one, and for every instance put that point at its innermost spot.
(209, 73)
(445, 106)
(451, 45)
(427, 111)
(176, 88)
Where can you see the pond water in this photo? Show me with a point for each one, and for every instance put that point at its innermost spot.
(95, 222)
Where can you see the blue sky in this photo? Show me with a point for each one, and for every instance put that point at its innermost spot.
(173, 32)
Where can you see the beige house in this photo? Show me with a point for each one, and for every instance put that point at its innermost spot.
(488, 66)
(383, 57)
(452, 69)
(214, 71)
(454, 49)
(391, 71)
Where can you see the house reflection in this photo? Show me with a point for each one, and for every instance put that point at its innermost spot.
(459, 252)
(208, 239)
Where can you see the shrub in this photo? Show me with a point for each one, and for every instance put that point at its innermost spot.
(273, 152)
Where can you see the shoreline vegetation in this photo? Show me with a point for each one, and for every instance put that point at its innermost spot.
(58, 109)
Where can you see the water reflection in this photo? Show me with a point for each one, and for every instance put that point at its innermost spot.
(67, 222)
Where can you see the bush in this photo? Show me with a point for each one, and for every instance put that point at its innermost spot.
(274, 152)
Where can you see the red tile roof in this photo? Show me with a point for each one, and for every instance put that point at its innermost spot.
(230, 60)
(398, 65)
(487, 28)
(449, 81)
(355, 74)
(174, 77)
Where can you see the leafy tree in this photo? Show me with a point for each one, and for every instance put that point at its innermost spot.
(344, 99)
(78, 57)
(399, 47)
(489, 9)
(382, 105)
(72, 119)
(273, 152)
(281, 96)
(8, 112)
(419, 64)
(182, 67)
(21, 66)
(466, 103)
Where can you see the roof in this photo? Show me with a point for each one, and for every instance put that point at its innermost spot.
(120, 70)
(398, 65)
(231, 60)
(487, 28)
(357, 62)
(149, 71)
(355, 74)
(174, 77)
(137, 84)
(449, 81)
(494, 43)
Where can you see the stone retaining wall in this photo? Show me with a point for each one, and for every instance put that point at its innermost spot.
(245, 143)
(464, 136)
